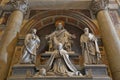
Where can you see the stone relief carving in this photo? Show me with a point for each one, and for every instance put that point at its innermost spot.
(21, 5)
(59, 64)
(98, 5)
(90, 49)
(61, 35)
(42, 72)
(31, 44)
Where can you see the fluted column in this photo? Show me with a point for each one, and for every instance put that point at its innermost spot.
(9, 39)
(109, 35)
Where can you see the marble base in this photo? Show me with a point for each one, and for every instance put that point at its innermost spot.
(60, 78)
(93, 72)
(23, 69)
(96, 70)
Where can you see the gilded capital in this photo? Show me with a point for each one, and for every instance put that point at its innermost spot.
(98, 5)
(21, 5)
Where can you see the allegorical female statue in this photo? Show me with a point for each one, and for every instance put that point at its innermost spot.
(90, 49)
(62, 35)
(31, 43)
(60, 64)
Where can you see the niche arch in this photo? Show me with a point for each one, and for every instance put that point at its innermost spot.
(44, 22)
(68, 16)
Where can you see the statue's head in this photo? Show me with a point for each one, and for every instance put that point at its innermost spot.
(42, 71)
(86, 31)
(59, 24)
(34, 31)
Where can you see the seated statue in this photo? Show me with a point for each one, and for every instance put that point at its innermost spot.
(31, 43)
(62, 35)
(90, 49)
(60, 64)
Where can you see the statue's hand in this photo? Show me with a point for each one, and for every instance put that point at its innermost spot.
(99, 58)
(98, 52)
(98, 55)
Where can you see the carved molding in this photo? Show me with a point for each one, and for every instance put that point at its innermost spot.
(39, 17)
(98, 5)
(21, 5)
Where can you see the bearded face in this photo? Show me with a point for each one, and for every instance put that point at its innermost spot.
(34, 31)
(60, 26)
(86, 31)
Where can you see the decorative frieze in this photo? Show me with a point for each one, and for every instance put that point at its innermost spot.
(98, 5)
(21, 5)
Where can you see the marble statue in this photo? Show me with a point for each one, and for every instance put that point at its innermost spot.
(42, 72)
(60, 64)
(31, 43)
(90, 49)
(62, 35)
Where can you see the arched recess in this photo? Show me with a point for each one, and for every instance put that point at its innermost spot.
(76, 20)
(44, 22)
(49, 17)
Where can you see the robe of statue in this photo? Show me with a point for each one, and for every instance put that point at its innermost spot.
(60, 64)
(90, 48)
(63, 36)
(31, 44)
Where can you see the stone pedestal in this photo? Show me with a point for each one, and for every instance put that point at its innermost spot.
(23, 70)
(52, 78)
(98, 72)
(28, 71)
(59, 78)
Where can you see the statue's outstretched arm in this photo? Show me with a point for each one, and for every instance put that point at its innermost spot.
(50, 35)
(71, 35)
(38, 42)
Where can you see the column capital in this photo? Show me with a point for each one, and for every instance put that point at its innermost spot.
(21, 5)
(98, 5)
